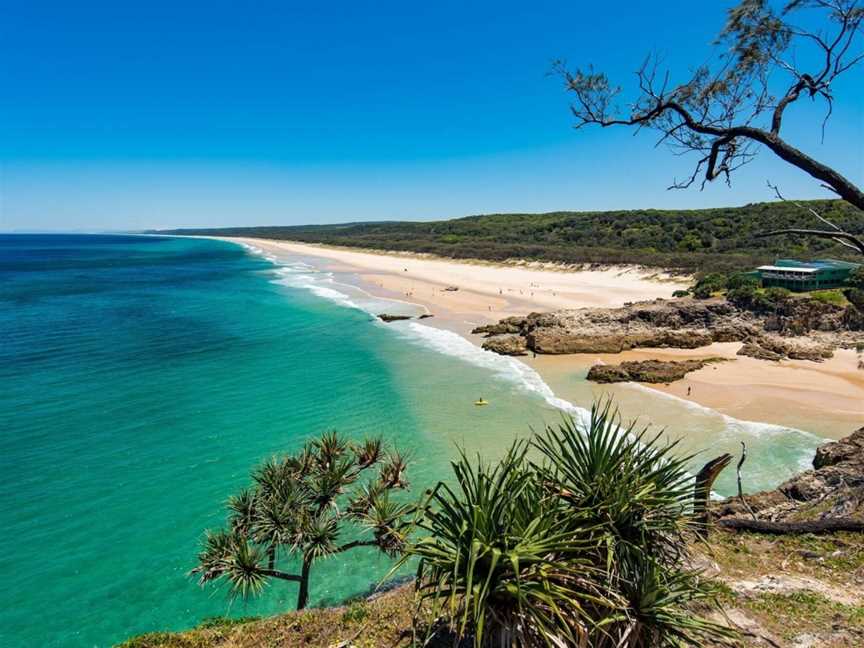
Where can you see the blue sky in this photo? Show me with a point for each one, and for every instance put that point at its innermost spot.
(137, 115)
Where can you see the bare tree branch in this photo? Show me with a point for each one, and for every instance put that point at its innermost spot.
(716, 113)
(853, 241)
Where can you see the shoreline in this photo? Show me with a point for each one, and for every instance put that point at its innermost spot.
(792, 393)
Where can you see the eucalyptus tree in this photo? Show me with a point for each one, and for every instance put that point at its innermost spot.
(330, 497)
(773, 57)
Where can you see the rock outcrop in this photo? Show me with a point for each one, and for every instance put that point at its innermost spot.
(647, 371)
(679, 323)
(682, 323)
(773, 347)
(386, 317)
(753, 350)
(834, 488)
(509, 344)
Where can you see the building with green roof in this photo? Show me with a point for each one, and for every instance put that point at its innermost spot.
(802, 276)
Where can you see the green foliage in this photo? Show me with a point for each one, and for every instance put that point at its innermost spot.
(777, 295)
(681, 293)
(709, 284)
(856, 278)
(224, 622)
(741, 279)
(835, 297)
(855, 297)
(705, 240)
(356, 612)
(742, 296)
(299, 506)
(582, 547)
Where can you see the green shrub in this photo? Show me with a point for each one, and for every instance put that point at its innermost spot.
(742, 279)
(681, 293)
(829, 297)
(856, 278)
(583, 546)
(742, 296)
(777, 295)
(702, 292)
(709, 284)
(355, 612)
(855, 297)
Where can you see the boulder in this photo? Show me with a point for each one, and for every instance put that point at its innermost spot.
(507, 325)
(849, 450)
(834, 488)
(386, 317)
(512, 345)
(647, 371)
(760, 353)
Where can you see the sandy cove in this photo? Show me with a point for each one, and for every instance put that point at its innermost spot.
(788, 392)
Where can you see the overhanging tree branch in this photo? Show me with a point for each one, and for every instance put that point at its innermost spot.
(717, 113)
(841, 237)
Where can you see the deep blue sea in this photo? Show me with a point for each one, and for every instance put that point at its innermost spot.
(141, 378)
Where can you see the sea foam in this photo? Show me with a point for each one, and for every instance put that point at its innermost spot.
(303, 276)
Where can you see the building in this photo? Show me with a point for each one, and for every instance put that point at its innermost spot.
(806, 275)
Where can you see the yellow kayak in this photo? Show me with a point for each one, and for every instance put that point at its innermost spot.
(481, 402)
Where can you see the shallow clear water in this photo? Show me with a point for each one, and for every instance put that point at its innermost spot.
(140, 380)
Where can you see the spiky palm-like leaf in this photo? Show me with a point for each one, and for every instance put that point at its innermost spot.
(298, 507)
(230, 557)
(369, 452)
(500, 563)
(635, 485)
(242, 511)
(392, 473)
(387, 520)
(637, 493)
(330, 448)
(581, 546)
(320, 533)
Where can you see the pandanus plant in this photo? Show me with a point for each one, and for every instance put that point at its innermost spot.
(298, 509)
(577, 537)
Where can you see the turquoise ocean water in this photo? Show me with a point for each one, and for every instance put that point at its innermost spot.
(142, 377)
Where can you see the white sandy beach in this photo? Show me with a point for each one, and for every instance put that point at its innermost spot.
(487, 291)
(790, 393)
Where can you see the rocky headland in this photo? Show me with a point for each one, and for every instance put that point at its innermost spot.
(796, 328)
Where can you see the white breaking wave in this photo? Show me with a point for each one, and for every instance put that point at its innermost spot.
(504, 367)
(303, 276)
(733, 424)
(316, 283)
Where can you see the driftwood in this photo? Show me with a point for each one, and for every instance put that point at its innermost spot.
(702, 490)
(829, 525)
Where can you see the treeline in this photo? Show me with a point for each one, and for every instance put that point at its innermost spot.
(722, 239)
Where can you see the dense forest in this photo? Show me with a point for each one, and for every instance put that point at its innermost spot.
(688, 240)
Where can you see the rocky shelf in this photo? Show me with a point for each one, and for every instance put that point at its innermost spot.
(799, 329)
(647, 371)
